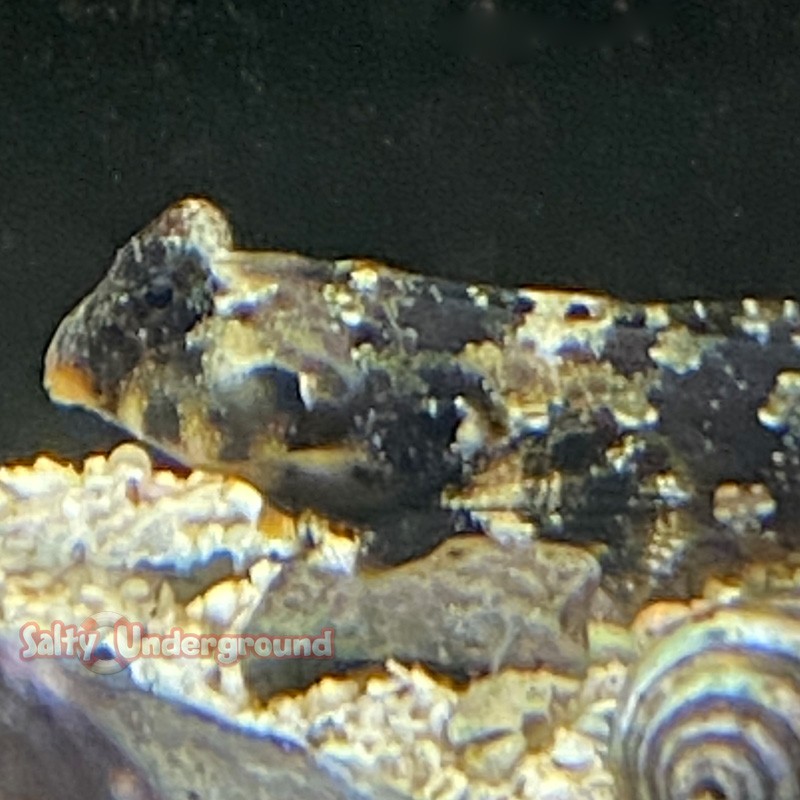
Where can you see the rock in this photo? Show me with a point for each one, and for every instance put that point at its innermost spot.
(471, 607)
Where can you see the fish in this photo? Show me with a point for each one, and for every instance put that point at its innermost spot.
(663, 436)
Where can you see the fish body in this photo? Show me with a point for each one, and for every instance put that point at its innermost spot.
(663, 436)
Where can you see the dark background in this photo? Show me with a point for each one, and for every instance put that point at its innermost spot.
(651, 149)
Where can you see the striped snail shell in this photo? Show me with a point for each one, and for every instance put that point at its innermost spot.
(712, 711)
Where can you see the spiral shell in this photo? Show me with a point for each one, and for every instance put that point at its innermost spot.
(712, 711)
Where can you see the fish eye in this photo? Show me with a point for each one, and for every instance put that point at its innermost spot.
(159, 295)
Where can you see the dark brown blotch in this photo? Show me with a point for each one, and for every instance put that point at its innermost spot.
(627, 349)
(162, 421)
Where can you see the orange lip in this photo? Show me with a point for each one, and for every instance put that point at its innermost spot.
(68, 383)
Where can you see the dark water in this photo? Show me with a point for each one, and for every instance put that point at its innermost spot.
(653, 152)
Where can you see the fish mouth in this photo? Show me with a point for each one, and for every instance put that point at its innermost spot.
(67, 382)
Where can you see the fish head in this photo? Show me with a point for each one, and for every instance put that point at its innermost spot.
(159, 286)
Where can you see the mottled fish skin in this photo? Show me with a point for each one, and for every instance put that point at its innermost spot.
(663, 435)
